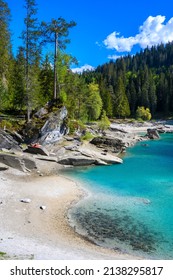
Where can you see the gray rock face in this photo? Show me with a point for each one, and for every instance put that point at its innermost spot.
(54, 128)
(18, 162)
(77, 161)
(37, 150)
(40, 113)
(88, 157)
(104, 142)
(152, 133)
(7, 141)
(3, 167)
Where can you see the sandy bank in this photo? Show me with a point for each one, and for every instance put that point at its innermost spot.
(28, 232)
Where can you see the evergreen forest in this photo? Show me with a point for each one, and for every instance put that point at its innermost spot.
(31, 78)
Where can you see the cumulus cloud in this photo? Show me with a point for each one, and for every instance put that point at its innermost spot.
(152, 32)
(81, 69)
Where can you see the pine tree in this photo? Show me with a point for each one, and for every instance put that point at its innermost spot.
(5, 54)
(94, 101)
(18, 80)
(56, 32)
(121, 106)
(106, 94)
(46, 80)
(152, 94)
(30, 38)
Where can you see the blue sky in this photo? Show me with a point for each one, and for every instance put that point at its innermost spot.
(105, 29)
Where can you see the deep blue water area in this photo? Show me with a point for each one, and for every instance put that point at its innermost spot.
(130, 206)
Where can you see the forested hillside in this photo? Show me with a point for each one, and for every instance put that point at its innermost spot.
(145, 79)
(31, 77)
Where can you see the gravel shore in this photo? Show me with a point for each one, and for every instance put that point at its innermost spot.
(38, 228)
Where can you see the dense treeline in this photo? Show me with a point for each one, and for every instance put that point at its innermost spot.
(31, 78)
(145, 79)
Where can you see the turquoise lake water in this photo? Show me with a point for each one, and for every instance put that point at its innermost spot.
(130, 206)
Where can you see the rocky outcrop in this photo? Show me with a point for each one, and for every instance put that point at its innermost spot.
(87, 154)
(18, 162)
(99, 156)
(46, 127)
(77, 161)
(8, 141)
(37, 150)
(54, 128)
(115, 144)
(3, 167)
(152, 133)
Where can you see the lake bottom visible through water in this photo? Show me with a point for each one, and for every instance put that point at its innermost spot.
(130, 206)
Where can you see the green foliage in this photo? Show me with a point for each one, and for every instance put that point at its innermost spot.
(31, 46)
(28, 81)
(5, 44)
(121, 103)
(94, 102)
(144, 114)
(11, 123)
(56, 32)
(75, 125)
(104, 123)
(87, 136)
(2, 255)
(6, 124)
(46, 80)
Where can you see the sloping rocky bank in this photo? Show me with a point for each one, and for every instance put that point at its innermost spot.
(53, 144)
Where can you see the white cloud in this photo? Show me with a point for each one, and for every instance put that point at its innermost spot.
(152, 32)
(114, 57)
(86, 67)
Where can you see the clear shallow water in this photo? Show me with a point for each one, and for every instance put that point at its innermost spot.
(131, 205)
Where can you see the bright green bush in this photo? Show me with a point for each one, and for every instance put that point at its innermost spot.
(144, 114)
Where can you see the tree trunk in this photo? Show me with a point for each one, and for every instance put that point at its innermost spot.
(55, 61)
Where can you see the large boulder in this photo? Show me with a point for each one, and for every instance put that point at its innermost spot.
(18, 162)
(152, 133)
(37, 150)
(115, 144)
(54, 128)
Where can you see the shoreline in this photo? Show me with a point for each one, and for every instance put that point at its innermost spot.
(27, 232)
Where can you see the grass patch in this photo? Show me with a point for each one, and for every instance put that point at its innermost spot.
(2, 254)
(88, 136)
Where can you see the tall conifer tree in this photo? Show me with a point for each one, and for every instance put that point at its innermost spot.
(5, 53)
(56, 32)
(30, 38)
